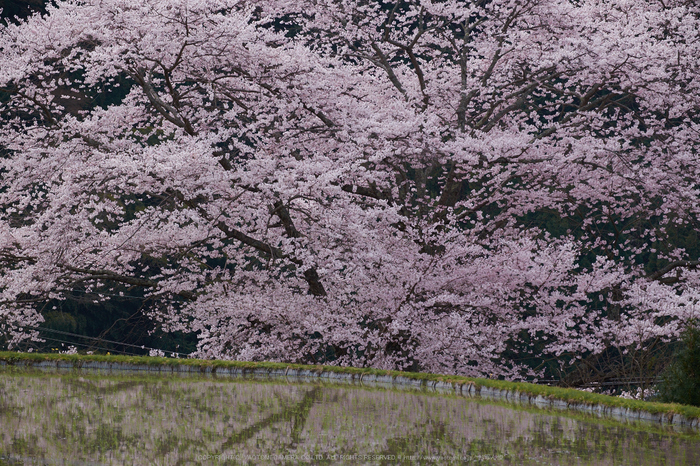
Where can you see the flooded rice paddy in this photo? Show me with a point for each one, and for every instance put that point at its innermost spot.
(82, 418)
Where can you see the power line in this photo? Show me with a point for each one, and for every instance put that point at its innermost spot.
(99, 293)
(66, 294)
(91, 346)
(142, 347)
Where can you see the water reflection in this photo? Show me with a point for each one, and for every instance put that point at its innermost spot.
(92, 419)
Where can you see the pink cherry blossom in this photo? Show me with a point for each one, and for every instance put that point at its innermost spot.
(355, 182)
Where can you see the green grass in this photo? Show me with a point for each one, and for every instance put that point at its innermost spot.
(570, 396)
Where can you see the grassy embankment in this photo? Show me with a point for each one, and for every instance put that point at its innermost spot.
(570, 396)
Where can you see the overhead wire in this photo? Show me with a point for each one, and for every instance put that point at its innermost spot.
(91, 346)
(142, 347)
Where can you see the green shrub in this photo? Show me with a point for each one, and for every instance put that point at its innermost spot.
(680, 382)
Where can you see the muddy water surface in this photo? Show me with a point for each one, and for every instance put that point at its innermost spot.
(87, 418)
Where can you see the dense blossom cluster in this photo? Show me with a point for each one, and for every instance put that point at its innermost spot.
(459, 186)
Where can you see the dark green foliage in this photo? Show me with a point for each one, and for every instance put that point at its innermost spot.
(681, 381)
(118, 325)
(57, 320)
(12, 9)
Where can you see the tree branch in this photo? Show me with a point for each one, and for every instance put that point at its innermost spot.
(673, 265)
(127, 280)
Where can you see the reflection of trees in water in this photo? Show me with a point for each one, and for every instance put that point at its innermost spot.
(170, 420)
(297, 413)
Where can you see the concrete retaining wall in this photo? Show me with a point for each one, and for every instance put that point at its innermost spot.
(467, 389)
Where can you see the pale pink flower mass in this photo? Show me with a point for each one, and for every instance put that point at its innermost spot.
(428, 185)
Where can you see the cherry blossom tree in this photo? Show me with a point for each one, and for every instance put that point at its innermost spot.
(460, 186)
